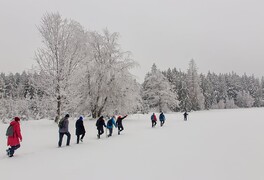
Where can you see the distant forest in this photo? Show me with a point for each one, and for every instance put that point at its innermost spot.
(169, 91)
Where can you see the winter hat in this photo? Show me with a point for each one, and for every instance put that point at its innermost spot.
(81, 117)
(17, 119)
(119, 117)
(67, 115)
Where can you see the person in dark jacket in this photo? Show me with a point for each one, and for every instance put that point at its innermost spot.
(162, 119)
(64, 130)
(100, 123)
(80, 130)
(110, 124)
(14, 140)
(119, 123)
(153, 120)
(185, 116)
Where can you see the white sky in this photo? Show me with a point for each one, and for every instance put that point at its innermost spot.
(220, 35)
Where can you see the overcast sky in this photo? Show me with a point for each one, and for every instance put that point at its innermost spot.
(220, 35)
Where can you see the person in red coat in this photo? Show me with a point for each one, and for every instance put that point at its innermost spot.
(14, 141)
(153, 119)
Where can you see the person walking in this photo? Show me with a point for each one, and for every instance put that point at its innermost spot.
(162, 119)
(80, 130)
(100, 123)
(185, 114)
(64, 130)
(120, 124)
(110, 123)
(14, 140)
(153, 119)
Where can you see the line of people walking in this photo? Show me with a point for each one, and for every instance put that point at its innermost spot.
(80, 129)
(14, 136)
(100, 124)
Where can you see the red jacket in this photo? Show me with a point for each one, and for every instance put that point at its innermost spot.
(16, 138)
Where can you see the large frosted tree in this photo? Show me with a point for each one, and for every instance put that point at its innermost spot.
(63, 48)
(107, 85)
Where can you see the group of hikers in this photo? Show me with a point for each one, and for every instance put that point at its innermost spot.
(154, 119)
(80, 130)
(162, 118)
(14, 136)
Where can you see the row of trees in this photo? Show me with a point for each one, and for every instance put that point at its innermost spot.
(174, 90)
(171, 90)
(86, 72)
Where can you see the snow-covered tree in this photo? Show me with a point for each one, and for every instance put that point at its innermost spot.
(64, 47)
(208, 91)
(107, 82)
(157, 91)
(222, 88)
(2, 87)
(244, 99)
(193, 84)
(230, 104)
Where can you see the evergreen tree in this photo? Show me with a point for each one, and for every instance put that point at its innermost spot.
(208, 92)
(157, 91)
(193, 83)
(244, 99)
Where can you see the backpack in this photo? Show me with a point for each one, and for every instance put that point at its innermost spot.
(162, 117)
(10, 131)
(61, 124)
(152, 117)
(109, 123)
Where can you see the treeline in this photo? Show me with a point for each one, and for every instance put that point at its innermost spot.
(174, 90)
(19, 97)
(170, 90)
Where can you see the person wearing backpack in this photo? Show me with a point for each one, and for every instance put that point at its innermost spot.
(110, 124)
(162, 119)
(100, 123)
(153, 120)
(119, 123)
(14, 139)
(80, 130)
(64, 130)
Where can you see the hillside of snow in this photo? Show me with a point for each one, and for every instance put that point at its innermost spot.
(211, 145)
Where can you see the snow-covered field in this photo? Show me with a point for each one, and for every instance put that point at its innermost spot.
(211, 145)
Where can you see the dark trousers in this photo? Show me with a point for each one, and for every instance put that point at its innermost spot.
(110, 132)
(61, 137)
(12, 149)
(154, 123)
(120, 128)
(100, 131)
(185, 118)
(161, 123)
(78, 137)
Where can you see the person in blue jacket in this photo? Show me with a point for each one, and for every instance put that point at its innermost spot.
(110, 123)
(162, 119)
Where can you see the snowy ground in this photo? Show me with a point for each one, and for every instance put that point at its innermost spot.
(211, 145)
